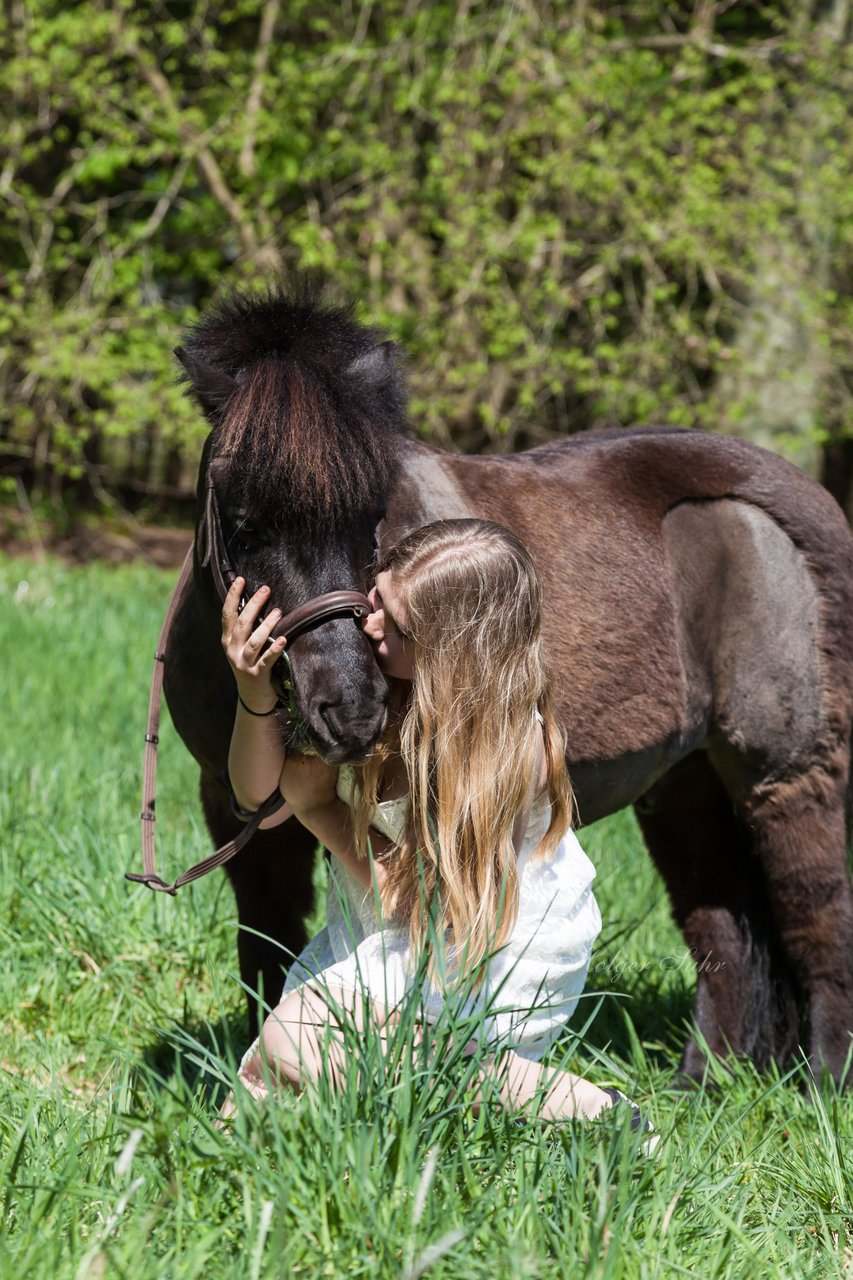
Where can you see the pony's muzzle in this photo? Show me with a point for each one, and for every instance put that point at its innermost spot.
(347, 735)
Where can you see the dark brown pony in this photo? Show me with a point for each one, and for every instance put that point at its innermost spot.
(698, 597)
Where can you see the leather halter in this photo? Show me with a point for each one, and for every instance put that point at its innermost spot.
(320, 609)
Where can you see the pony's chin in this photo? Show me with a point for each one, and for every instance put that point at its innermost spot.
(336, 753)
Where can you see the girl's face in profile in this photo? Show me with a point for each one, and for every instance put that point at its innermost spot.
(385, 627)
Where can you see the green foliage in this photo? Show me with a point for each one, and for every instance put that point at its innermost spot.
(561, 211)
(122, 1021)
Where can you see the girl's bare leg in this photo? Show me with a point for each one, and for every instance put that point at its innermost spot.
(302, 1037)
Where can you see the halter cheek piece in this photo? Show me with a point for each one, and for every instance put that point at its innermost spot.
(321, 609)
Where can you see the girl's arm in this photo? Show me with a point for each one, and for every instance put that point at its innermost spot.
(310, 787)
(256, 756)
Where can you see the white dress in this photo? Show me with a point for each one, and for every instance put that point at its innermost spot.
(532, 984)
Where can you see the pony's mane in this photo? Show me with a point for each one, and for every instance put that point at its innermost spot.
(312, 427)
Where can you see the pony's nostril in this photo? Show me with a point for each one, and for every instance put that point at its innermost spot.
(327, 712)
(337, 719)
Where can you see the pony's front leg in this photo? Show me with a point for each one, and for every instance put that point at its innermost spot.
(272, 878)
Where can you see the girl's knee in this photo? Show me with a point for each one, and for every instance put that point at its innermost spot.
(303, 1036)
(277, 1056)
(296, 1037)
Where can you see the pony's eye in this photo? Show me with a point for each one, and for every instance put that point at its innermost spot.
(245, 535)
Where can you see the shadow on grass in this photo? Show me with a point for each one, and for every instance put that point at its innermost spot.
(625, 1005)
(188, 1054)
(661, 1019)
(644, 989)
(193, 1053)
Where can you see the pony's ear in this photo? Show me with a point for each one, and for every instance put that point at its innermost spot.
(212, 387)
(375, 366)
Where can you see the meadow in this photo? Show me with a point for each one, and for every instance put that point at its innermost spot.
(122, 1017)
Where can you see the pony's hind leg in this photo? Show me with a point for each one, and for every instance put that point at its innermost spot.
(798, 830)
(744, 994)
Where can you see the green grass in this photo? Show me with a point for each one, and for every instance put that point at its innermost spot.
(122, 1016)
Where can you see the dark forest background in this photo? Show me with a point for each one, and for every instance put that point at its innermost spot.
(570, 215)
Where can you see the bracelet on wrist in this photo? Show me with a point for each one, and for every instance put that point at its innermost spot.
(259, 714)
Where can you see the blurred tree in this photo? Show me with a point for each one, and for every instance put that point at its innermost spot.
(569, 214)
(780, 391)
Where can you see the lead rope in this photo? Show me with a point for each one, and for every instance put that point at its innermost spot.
(271, 805)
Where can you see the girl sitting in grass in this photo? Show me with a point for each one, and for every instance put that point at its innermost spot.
(466, 805)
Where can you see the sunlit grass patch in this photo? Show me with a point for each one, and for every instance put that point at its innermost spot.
(123, 1022)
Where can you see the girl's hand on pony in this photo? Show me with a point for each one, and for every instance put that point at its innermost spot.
(244, 643)
(308, 784)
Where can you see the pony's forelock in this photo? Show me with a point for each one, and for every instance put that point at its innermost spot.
(313, 427)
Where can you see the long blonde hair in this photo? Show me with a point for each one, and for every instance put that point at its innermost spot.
(468, 734)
